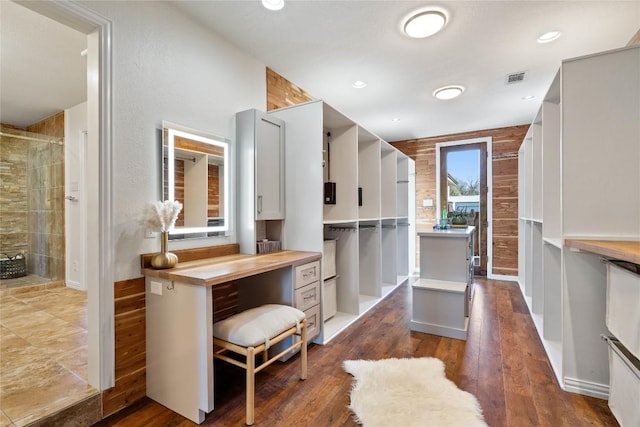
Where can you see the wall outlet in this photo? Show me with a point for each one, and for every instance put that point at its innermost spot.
(148, 234)
(156, 288)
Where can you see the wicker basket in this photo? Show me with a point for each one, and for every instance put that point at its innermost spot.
(12, 267)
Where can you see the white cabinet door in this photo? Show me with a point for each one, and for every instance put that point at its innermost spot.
(269, 164)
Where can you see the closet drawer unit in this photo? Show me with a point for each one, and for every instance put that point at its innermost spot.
(623, 309)
(307, 273)
(307, 296)
(624, 384)
(313, 322)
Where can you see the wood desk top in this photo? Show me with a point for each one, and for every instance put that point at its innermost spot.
(625, 250)
(222, 269)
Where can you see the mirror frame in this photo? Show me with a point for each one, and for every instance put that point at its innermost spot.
(170, 131)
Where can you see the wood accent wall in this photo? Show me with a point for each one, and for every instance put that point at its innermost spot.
(130, 347)
(506, 142)
(282, 93)
(635, 39)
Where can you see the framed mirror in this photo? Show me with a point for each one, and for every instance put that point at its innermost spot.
(196, 173)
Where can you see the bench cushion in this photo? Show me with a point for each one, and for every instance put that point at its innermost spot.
(256, 326)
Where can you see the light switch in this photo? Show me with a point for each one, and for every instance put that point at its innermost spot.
(156, 288)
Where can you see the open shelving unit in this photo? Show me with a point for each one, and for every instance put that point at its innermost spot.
(371, 217)
(582, 146)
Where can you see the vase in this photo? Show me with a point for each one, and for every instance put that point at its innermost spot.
(164, 259)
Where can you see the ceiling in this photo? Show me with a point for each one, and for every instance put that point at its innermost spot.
(324, 46)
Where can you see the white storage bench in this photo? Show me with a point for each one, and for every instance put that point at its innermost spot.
(440, 307)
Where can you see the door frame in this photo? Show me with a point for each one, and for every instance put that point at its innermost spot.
(100, 307)
(489, 179)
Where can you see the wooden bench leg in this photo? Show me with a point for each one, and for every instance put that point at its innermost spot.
(251, 362)
(303, 351)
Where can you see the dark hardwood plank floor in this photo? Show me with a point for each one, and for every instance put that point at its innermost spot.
(502, 362)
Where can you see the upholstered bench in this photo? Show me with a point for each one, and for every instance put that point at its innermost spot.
(254, 331)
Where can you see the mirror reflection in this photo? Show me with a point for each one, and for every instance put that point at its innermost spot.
(195, 168)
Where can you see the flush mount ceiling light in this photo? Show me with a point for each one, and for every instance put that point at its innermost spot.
(395, 119)
(549, 36)
(528, 97)
(359, 84)
(448, 92)
(273, 4)
(424, 23)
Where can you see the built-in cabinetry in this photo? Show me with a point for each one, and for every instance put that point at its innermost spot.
(578, 179)
(261, 178)
(442, 296)
(369, 217)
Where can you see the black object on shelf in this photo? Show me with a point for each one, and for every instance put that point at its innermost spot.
(329, 187)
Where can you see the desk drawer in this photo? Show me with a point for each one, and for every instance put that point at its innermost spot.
(307, 273)
(313, 322)
(307, 296)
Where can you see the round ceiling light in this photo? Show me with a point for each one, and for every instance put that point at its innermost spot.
(359, 84)
(549, 36)
(424, 23)
(448, 92)
(273, 4)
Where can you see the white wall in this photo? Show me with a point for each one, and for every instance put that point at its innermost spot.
(166, 67)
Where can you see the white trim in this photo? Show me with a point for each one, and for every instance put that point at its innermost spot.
(101, 369)
(488, 140)
(587, 388)
(502, 277)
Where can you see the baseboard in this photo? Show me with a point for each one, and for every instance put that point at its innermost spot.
(443, 331)
(587, 388)
(503, 277)
(74, 285)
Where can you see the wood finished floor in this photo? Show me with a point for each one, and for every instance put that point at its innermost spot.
(502, 363)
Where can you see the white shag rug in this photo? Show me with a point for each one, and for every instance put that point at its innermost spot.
(409, 392)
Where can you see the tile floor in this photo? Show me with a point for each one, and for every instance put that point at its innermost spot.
(43, 351)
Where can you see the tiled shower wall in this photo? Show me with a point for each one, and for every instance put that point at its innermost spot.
(32, 215)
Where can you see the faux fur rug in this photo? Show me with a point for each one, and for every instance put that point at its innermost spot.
(409, 392)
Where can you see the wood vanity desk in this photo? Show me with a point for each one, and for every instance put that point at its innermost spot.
(625, 250)
(179, 315)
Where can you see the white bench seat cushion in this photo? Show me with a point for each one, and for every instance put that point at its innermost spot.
(256, 326)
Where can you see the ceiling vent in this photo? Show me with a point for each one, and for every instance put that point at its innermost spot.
(515, 77)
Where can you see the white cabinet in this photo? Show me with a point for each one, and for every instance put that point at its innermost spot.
(260, 140)
(372, 196)
(578, 175)
(442, 296)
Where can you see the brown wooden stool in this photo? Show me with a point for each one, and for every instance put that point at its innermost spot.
(254, 331)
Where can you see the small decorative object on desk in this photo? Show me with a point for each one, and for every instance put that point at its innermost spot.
(161, 217)
(266, 246)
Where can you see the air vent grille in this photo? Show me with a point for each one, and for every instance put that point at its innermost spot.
(515, 77)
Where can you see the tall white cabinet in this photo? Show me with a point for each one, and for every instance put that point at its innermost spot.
(579, 179)
(370, 219)
(260, 140)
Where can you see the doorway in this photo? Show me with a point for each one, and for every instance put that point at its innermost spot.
(462, 187)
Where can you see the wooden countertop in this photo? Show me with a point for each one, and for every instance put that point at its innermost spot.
(625, 250)
(217, 270)
(449, 232)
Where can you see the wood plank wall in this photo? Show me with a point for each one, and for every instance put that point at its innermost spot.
(506, 142)
(282, 93)
(635, 40)
(130, 347)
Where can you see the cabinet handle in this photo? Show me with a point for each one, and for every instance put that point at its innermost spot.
(259, 204)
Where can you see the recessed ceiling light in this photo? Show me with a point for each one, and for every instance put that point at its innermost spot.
(448, 92)
(359, 84)
(273, 4)
(395, 119)
(528, 97)
(424, 23)
(549, 36)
